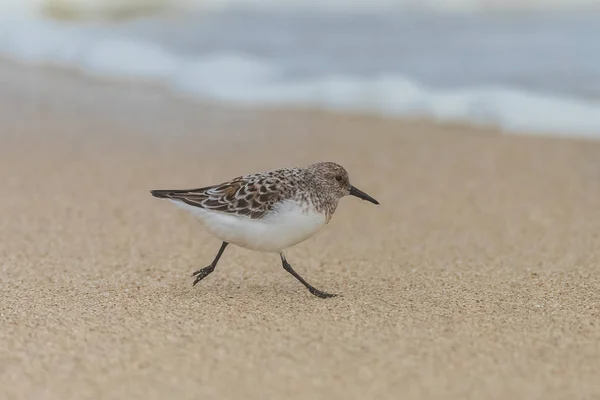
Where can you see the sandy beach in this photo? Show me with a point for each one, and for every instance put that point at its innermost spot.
(478, 276)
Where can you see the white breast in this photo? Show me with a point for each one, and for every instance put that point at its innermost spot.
(287, 226)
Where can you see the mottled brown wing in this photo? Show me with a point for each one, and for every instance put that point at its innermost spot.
(249, 195)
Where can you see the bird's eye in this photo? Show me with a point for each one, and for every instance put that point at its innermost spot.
(338, 178)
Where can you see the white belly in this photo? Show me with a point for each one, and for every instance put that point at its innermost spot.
(286, 227)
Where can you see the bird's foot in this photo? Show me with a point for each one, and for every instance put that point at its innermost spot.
(321, 294)
(202, 273)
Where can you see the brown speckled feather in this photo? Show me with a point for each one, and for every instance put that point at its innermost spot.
(249, 195)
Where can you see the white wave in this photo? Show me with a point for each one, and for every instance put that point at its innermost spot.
(231, 78)
(239, 78)
(91, 9)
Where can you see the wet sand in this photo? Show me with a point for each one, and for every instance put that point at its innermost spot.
(478, 276)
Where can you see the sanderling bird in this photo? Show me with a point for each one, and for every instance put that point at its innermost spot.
(268, 211)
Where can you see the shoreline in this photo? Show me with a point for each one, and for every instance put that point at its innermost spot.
(476, 277)
(157, 88)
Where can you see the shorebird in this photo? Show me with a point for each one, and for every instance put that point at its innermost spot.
(268, 211)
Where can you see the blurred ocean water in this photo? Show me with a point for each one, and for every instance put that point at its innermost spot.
(529, 65)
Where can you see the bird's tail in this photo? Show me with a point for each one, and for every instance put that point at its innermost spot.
(163, 194)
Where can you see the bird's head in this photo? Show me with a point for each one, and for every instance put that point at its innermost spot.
(334, 178)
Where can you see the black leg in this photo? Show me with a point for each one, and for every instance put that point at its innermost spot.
(310, 288)
(203, 272)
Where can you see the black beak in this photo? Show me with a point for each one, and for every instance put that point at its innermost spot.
(362, 195)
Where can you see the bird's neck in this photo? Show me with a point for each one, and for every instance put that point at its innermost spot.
(323, 198)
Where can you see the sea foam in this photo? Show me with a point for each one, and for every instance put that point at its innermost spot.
(238, 77)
